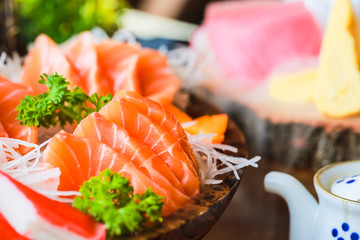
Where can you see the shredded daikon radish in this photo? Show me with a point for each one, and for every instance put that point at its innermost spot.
(213, 163)
(123, 35)
(188, 124)
(27, 170)
(99, 34)
(11, 68)
(56, 195)
(120, 35)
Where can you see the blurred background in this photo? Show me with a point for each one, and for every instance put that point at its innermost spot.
(22, 20)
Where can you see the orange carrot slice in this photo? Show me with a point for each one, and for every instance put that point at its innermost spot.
(205, 124)
(210, 124)
(181, 116)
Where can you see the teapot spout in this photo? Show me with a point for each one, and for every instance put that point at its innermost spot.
(302, 205)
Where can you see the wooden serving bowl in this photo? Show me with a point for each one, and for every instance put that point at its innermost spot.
(196, 219)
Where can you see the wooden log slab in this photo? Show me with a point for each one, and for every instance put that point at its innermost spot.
(291, 134)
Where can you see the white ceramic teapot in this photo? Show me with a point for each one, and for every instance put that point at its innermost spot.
(334, 217)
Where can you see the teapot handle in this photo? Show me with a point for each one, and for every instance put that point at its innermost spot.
(302, 205)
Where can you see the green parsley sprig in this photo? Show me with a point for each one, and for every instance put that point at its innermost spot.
(109, 198)
(59, 104)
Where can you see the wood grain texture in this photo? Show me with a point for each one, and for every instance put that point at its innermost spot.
(196, 219)
(292, 135)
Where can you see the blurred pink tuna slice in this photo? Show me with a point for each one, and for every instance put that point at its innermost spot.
(34, 216)
(250, 38)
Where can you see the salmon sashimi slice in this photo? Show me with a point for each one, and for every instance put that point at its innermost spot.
(156, 79)
(140, 182)
(103, 67)
(157, 138)
(81, 54)
(10, 96)
(130, 67)
(95, 126)
(3, 132)
(80, 158)
(157, 113)
(46, 57)
(118, 63)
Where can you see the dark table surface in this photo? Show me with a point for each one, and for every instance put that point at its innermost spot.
(255, 214)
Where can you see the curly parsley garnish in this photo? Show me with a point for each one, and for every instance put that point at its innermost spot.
(109, 198)
(59, 104)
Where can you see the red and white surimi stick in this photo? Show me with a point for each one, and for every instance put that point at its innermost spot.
(35, 216)
(8, 232)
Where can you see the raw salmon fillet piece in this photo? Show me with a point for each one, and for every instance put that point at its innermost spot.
(95, 126)
(10, 96)
(157, 138)
(141, 182)
(3, 132)
(118, 63)
(81, 54)
(157, 113)
(102, 68)
(156, 80)
(130, 67)
(80, 158)
(46, 57)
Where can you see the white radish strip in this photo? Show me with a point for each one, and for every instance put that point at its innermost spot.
(25, 168)
(61, 193)
(211, 161)
(225, 147)
(16, 142)
(40, 176)
(11, 68)
(212, 181)
(122, 35)
(188, 124)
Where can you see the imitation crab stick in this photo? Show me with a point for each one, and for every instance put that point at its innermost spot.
(35, 216)
(8, 232)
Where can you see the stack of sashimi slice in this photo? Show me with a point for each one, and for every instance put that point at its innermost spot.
(133, 136)
(101, 67)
